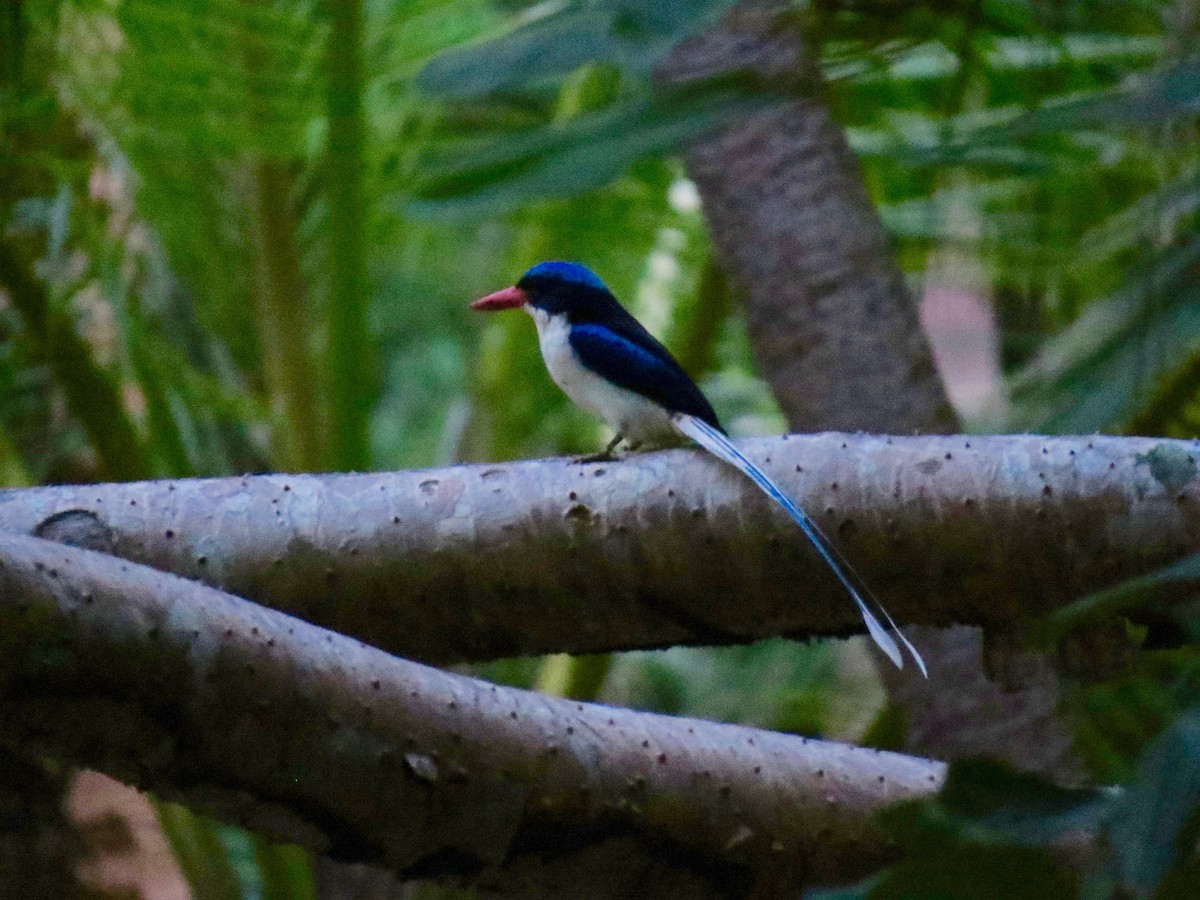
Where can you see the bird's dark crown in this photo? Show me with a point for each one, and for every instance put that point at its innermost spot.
(567, 287)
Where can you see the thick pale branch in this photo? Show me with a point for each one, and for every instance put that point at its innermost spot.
(475, 562)
(278, 724)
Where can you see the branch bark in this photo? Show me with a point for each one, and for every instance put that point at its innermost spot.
(477, 562)
(270, 722)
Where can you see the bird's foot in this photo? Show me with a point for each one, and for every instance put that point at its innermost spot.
(605, 455)
(602, 456)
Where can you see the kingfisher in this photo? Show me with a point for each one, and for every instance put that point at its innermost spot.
(611, 366)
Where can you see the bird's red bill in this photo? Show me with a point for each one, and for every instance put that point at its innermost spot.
(509, 298)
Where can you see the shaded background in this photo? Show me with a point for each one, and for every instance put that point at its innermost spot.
(241, 236)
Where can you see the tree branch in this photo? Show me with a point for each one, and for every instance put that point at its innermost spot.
(265, 720)
(476, 562)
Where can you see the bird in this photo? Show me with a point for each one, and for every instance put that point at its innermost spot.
(608, 364)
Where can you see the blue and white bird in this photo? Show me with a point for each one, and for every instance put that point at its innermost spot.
(611, 366)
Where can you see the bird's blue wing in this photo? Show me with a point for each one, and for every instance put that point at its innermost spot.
(648, 370)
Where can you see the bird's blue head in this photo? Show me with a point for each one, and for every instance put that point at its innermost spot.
(556, 287)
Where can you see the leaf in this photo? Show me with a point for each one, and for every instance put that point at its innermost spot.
(1116, 720)
(198, 849)
(1022, 808)
(1118, 599)
(1095, 374)
(1163, 97)
(560, 160)
(1147, 825)
(632, 34)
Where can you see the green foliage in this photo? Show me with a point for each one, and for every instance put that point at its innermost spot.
(773, 684)
(198, 848)
(1156, 821)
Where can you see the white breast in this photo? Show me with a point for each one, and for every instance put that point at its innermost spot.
(639, 420)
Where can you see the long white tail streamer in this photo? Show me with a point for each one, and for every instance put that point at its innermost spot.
(719, 446)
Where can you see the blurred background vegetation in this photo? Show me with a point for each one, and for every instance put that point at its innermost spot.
(240, 235)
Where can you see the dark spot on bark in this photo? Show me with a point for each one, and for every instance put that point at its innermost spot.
(645, 744)
(949, 455)
(1046, 489)
(578, 511)
(572, 496)
(375, 684)
(833, 486)
(422, 766)
(662, 759)
(929, 466)
(598, 473)
(395, 520)
(758, 770)
(78, 528)
(571, 728)
(429, 486)
(202, 560)
(287, 487)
